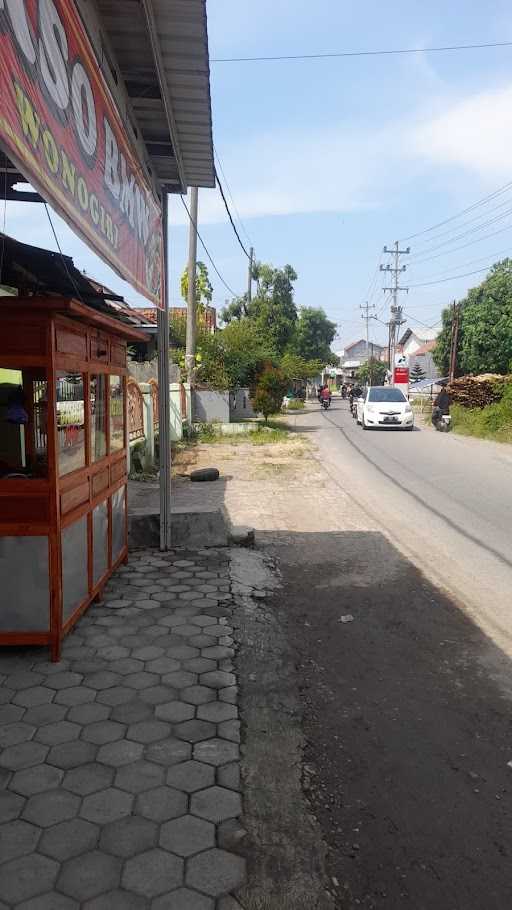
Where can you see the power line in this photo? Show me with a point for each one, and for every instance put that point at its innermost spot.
(469, 233)
(205, 248)
(376, 53)
(449, 233)
(424, 324)
(483, 201)
(233, 225)
(68, 273)
(242, 225)
(425, 284)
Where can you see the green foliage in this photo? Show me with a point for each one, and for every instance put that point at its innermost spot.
(373, 371)
(271, 386)
(417, 374)
(491, 422)
(295, 404)
(485, 327)
(313, 335)
(296, 367)
(204, 290)
(273, 310)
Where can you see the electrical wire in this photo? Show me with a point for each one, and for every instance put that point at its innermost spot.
(376, 53)
(462, 265)
(205, 248)
(242, 225)
(449, 233)
(464, 234)
(68, 273)
(477, 204)
(464, 246)
(425, 284)
(233, 225)
(424, 324)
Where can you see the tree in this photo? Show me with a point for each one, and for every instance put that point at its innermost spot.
(373, 371)
(204, 289)
(485, 327)
(313, 335)
(273, 309)
(417, 374)
(271, 386)
(296, 367)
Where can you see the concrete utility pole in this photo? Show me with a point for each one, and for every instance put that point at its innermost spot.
(396, 311)
(190, 350)
(249, 281)
(366, 315)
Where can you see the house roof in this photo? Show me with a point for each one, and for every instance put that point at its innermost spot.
(425, 348)
(373, 344)
(422, 334)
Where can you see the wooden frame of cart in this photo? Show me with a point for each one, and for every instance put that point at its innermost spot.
(63, 463)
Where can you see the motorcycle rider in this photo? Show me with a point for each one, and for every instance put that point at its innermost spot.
(441, 407)
(325, 394)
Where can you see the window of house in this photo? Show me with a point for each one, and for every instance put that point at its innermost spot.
(116, 413)
(23, 423)
(70, 421)
(98, 404)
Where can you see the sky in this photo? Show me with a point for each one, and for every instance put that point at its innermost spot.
(329, 160)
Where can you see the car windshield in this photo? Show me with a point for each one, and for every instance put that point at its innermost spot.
(386, 394)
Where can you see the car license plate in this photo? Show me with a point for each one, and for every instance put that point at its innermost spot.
(391, 420)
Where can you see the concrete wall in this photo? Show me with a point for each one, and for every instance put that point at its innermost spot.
(210, 405)
(240, 406)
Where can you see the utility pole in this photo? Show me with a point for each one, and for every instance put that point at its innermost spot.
(396, 310)
(249, 282)
(454, 341)
(366, 315)
(190, 350)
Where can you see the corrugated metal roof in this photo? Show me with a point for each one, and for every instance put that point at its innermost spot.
(161, 51)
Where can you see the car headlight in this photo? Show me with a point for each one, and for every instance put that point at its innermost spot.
(408, 409)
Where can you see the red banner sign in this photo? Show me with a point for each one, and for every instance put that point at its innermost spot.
(60, 125)
(401, 375)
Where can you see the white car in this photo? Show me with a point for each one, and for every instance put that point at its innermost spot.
(384, 406)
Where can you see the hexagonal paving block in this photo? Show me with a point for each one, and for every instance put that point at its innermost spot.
(218, 652)
(218, 679)
(200, 640)
(89, 875)
(161, 804)
(10, 713)
(128, 836)
(230, 694)
(216, 804)
(10, 805)
(17, 838)
(121, 753)
(175, 711)
(217, 711)
(169, 751)
(117, 695)
(139, 776)
(104, 679)
(132, 711)
(63, 680)
(52, 900)
(148, 652)
(113, 652)
(24, 679)
(157, 695)
(199, 665)
(229, 729)
(45, 809)
(103, 731)
(88, 779)
(77, 695)
(116, 900)
(68, 839)
(153, 873)
(182, 652)
(198, 695)
(35, 695)
(180, 679)
(229, 776)
(12, 734)
(216, 751)
(163, 665)
(215, 872)
(190, 776)
(202, 620)
(71, 755)
(183, 899)
(89, 713)
(106, 805)
(127, 665)
(60, 732)
(21, 880)
(36, 780)
(187, 835)
(195, 730)
(148, 731)
(24, 755)
(141, 680)
(44, 714)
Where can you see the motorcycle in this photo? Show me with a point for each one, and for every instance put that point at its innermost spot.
(442, 422)
(326, 403)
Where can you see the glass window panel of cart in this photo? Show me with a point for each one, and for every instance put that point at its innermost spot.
(70, 421)
(116, 413)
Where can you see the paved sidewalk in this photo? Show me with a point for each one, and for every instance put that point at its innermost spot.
(119, 766)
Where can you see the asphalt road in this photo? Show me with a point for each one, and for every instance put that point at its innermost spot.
(446, 500)
(407, 706)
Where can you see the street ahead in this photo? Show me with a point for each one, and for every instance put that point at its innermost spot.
(445, 499)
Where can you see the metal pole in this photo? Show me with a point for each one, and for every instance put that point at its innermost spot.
(190, 351)
(249, 281)
(163, 397)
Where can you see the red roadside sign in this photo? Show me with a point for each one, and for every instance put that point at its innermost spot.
(60, 126)
(401, 376)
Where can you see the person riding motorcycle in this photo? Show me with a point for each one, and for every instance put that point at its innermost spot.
(441, 406)
(325, 394)
(355, 393)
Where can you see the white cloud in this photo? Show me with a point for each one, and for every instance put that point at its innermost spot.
(474, 133)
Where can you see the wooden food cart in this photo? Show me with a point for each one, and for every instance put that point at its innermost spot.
(63, 462)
